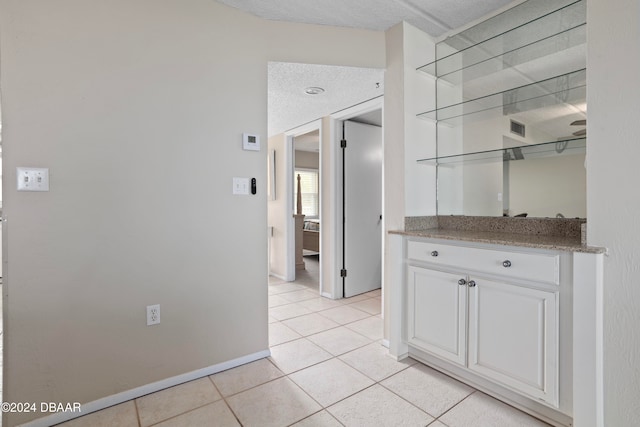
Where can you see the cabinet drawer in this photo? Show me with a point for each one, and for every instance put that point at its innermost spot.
(530, 266)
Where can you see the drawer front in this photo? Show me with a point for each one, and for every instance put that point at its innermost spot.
(530, 266)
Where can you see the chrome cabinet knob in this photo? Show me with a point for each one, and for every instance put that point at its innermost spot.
(506, 264)
(472, 283)
(434, 253)
(462, 282)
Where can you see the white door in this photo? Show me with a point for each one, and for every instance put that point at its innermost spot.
(437, 313)
(513, 337)
(362, 208)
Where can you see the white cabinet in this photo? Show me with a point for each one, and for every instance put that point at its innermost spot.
(437, 313)
(500, 327)
(513, 337)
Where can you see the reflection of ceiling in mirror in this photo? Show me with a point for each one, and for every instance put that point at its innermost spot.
(554, 120)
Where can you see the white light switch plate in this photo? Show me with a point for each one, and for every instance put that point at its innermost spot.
(32, 179)
(240, 186)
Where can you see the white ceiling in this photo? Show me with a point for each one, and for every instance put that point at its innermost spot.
(434, 17)
(289, 106)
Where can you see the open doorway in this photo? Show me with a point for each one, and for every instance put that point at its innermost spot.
(303, 98)
(306, 192)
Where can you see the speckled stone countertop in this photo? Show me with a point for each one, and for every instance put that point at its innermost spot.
(541, 233)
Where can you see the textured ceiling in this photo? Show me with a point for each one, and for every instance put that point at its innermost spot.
(434, 17)
(289, 106)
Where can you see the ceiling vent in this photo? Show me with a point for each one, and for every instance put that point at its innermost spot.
(517, 128)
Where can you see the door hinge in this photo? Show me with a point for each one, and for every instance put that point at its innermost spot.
(343, 273)
(343, 143)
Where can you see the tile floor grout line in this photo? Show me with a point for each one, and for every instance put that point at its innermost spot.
(135, 405)
(458, 403)
(411, 403)
(224, 399)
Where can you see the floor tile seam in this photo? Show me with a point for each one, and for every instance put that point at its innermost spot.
(135, 405)
(224, 399)
(373, 379)
(360, 333)
(411, 403)
(383, 379)
(253, 387)
(315, 413)
(458, 403)
(356, 308)
(189, 411)
(353, 349)
(347, 323)
(286, 374)
(293, 317)
(337, 401)
(341, 400)
(315, 333)
(316, 295)
(359, 320)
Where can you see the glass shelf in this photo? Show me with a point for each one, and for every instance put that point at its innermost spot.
(553, 148)
(567, 88)
(509, 39)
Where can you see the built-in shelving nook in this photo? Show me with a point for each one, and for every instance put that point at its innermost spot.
(510, 113)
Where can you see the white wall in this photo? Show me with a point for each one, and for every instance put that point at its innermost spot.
(419, 141)
(613, 201)
(138, 107)
(544, 187)
(278, 210)
(307, 159)
(406, 138)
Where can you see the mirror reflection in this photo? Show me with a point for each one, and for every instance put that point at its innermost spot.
(511, 114)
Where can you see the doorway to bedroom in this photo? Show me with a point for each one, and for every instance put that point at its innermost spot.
(306, 192)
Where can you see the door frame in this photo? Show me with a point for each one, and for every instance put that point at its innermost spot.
(335, 129)
(290, 231)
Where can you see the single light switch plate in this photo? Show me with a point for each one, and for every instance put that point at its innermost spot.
(33, 179)
(241, 186)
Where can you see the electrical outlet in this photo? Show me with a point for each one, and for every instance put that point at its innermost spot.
(153, 314)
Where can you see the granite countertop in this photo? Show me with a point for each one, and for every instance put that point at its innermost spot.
(462, 229)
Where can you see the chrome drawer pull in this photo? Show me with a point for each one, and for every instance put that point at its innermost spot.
(434, 253)
(462, 282)
(472, 283)
(506, 264)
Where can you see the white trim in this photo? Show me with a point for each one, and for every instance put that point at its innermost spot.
(278, 276)
(290, 167)
(336, 120)
(588, 378)
(125, 396)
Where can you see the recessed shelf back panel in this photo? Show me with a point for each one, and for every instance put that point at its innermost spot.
(511, 111)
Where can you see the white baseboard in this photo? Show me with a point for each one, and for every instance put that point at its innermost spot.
(125, 396)
(278, 276)
(385, 343)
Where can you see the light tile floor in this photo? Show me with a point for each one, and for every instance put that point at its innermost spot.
(327, 368)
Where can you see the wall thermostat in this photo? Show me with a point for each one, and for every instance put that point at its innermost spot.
(250, 142)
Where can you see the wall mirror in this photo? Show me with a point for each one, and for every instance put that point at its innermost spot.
(511, 114)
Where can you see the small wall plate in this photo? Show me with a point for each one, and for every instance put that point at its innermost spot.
(250, 142)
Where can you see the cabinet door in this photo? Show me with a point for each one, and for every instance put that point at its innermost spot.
(513, 337)
(437, 313)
